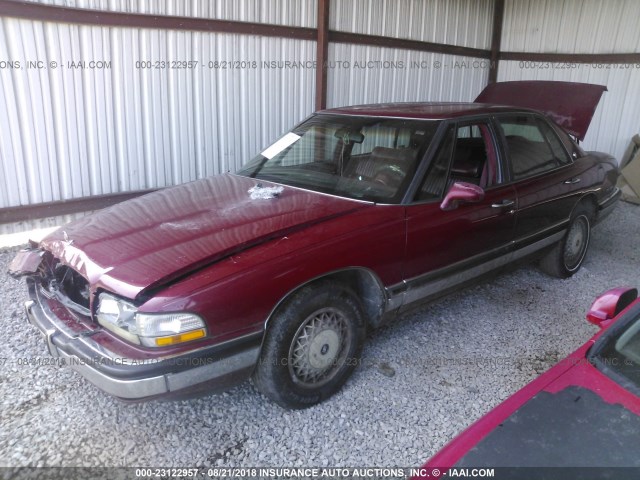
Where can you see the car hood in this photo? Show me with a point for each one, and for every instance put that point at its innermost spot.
(573, 415)
(571, 105)
(574, 427)
(153, 239)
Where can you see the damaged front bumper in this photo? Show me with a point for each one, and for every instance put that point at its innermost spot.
(207, 369)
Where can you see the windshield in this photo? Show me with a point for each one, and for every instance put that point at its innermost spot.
(365, 158)
(617, 353)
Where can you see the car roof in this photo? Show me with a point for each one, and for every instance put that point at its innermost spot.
(424, 110)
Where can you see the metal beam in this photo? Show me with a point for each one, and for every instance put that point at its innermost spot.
(590, 58)
(322, 54)
(496, 37)
(405, 44)
(65, 207)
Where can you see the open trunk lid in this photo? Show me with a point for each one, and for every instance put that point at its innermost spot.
(571, 105)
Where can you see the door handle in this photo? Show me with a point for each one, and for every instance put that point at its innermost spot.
(573, 180)
(503, 204)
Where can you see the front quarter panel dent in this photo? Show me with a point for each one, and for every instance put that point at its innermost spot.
(240, 292)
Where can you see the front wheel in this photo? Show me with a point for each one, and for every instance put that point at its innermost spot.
(567, 256)
(312, 345)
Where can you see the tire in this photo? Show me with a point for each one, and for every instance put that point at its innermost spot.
(312, 345)
(568, 255)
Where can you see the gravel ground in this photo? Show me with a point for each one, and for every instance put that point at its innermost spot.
(423, 380)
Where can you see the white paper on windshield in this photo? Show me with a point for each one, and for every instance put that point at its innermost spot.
(280, 145)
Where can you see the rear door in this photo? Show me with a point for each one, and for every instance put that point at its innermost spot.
(546, 179)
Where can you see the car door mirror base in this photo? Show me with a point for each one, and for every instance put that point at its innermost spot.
(461, 192)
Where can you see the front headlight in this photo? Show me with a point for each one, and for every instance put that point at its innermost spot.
(148, 329)
(160, 330)
(118, 316)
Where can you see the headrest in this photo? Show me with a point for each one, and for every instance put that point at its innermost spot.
(393, 156)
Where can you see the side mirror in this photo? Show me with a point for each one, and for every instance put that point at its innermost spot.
(461, 192)
(610, 304)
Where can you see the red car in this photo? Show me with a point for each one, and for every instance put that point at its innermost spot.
(583, 414)
(356, 215)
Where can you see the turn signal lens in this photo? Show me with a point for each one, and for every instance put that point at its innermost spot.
(183, 337)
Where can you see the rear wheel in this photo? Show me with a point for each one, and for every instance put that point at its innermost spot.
(311, 347)
(567, 256)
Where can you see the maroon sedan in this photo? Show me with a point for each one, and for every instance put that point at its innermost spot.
(356, 215)
(581, 417)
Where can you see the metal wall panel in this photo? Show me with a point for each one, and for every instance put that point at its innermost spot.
(571, 26)
(70, 132)
(466, 23)
(362, 74)
(294, 13)
(617, 117)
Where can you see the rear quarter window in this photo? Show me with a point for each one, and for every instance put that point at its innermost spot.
(554, 143)
(572, 147)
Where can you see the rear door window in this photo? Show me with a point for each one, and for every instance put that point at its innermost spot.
(529, 150)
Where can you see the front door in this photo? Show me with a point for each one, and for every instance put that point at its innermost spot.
(447, 248)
